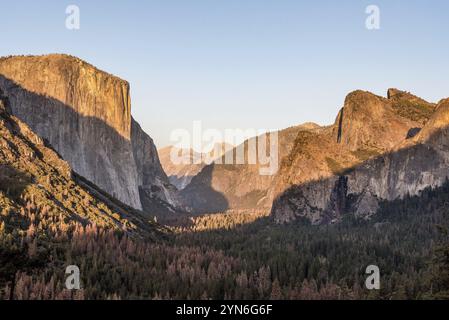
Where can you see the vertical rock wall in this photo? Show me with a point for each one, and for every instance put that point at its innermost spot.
(85, 114)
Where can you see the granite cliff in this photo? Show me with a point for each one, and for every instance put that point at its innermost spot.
(85, 114)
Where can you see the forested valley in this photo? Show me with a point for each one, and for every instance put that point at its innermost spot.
(231, 256)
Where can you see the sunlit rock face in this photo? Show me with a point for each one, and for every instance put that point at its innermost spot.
(85, 114)
(378, 149)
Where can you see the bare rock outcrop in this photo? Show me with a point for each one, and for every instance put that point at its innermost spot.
(369, 122)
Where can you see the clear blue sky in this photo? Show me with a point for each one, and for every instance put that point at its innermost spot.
(242, 63)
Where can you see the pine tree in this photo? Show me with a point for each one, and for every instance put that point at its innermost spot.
(440, 279)
(276, 291)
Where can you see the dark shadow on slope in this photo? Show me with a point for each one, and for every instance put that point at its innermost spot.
(180, 181)
(200, 194)
(340, 125)
(233, 175)
(413, 132)
(13, 182)
(139, 218)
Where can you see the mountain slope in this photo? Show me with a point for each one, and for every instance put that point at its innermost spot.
(219, 187)
(36, 181)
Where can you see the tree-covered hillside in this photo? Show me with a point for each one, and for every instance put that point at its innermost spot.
(254, 260)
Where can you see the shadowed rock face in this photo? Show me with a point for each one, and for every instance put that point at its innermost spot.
(404, 165)
(85, 114)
